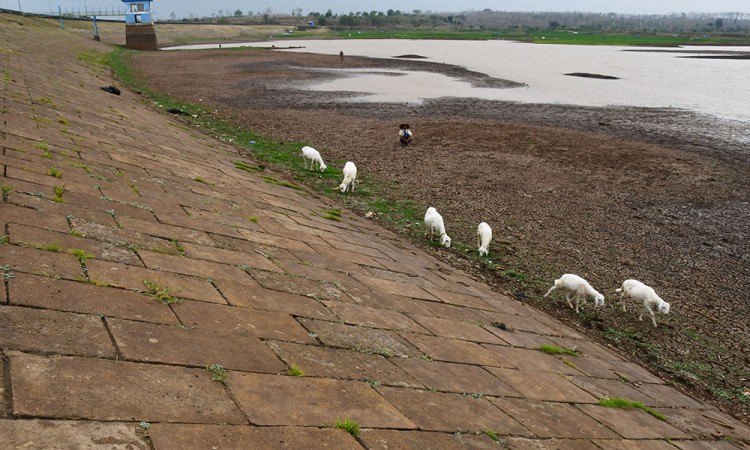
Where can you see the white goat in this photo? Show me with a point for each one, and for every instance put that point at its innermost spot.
(573, 284)
(640, 292)
(309, 153)
(484, 236)
(350, 176)
(434, 221)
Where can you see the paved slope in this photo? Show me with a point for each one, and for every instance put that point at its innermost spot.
(386, 335)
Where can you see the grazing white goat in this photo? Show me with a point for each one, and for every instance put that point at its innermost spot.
(350, 176)
(484, 236)
(573, 284)
(640, 292)
(434, 221)
(309, 153)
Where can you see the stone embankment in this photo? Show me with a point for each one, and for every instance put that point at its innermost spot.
(156, 296)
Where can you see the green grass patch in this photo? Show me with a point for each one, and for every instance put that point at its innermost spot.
(179, 247)
(629, 404)
(350, 426)
(253, 219)
(162, 294)
(43, 145)
(635, 339)
(555, 350)
(58, 190)
(404, 215)
(332, 214)
(551, 36)
(81, 255)
(469, 251)
(53, 247)
(736, 395)
(62, 120)
(54, 172)
(691, 369)
(200, 180)
(86, 168)
(491, 434)
(6, 190)
(94, 58)
(247, 167)
(512, 274)
(568, 363)
(4, 239)
(295, 371)
(218, 372)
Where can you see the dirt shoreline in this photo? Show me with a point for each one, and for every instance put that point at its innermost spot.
(662, 195)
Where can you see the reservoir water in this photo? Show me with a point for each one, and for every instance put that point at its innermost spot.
(648, 77)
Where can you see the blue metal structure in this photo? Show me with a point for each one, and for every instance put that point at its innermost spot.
(138, 12)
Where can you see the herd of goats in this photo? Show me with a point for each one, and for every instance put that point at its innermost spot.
(569, 283)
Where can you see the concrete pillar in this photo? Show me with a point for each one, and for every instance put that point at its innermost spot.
(141, 37)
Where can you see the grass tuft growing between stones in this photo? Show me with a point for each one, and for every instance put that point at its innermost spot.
(247, 167)
(59, 190)
(555, 350)
(629, 404)
(179, 247)
(53, 247)
(6, 190)
(350, 426)
(161, 293)
(218, 372)
(491, 434)
(54, 172)
(295, 371)
(81, 255)
(333, 214)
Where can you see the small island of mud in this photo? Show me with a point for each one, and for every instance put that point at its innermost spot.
(592, 75)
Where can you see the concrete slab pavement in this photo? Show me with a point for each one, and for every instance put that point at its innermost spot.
(385, 334)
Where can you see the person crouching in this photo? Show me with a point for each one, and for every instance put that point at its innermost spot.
(405, 135)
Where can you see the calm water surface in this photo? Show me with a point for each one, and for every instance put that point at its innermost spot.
(651, 78)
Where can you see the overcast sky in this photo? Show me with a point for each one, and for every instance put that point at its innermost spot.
(183, 8)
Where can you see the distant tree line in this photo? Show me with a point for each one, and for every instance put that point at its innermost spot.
(691, 22)
(488, 19)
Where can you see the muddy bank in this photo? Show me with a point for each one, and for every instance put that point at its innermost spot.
(661, 195)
